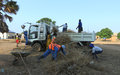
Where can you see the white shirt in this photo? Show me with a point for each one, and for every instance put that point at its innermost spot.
(64, 26)
(96, 48)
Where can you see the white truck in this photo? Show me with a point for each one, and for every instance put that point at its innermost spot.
(37, 36)
(83, 38)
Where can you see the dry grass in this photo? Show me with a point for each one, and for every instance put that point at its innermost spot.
(74, 63)
(70, 31)
(55, 29)
(62, 39)
(69, 64)
(66, 65)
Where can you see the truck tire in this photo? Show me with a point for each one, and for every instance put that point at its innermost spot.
(36, 47)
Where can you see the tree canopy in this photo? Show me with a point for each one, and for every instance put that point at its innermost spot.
(3, 27)
(105, 33)
(46, 20)
(98, 33)
(7, 8)
(118, 35)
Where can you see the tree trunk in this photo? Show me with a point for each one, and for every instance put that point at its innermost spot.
(3, 35)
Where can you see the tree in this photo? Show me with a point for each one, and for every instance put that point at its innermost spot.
(98, 33)
(105, 33)
(3, 27)
(7, 7)
(46, 20)
(118, 35)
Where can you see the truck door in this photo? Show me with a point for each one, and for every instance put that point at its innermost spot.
(33, 32)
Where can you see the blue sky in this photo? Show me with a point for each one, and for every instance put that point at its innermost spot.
(94, 14)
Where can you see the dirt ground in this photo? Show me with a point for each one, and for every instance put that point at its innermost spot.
(108, 63)
(109, 60)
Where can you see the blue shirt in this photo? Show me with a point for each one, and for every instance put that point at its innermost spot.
(79, 24)
(96, 48)
(26, 38)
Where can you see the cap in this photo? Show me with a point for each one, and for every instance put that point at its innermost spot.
(91, 45)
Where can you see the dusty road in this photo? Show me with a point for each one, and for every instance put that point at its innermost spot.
(5, 49)
(109, 60)
(7, 46)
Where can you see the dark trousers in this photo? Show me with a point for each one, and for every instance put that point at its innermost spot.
(80, 29)
(53, 52)
(95, 54)
(64, 29)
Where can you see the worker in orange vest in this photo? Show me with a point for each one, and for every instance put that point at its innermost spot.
(53, 49)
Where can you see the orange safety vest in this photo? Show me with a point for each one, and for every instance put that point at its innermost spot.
(58, 46)
(51, 46)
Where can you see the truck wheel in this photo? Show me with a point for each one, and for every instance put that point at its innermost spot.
(36, 47)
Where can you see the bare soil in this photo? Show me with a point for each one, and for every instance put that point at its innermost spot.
(108, 63)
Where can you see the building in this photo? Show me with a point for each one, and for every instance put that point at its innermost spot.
(9, 35)
(113, 37)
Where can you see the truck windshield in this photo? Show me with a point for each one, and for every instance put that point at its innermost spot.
(33, 32)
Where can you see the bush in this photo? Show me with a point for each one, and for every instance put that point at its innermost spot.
(118, 35)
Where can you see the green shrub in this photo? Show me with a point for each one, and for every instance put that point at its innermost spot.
(118, 35)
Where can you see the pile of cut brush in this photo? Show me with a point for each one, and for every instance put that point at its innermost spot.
(62, 39)
(72, 62)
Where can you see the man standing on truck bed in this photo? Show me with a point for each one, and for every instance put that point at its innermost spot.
(64, 27)
(80, 28)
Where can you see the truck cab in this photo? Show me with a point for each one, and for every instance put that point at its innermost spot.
(37, 35)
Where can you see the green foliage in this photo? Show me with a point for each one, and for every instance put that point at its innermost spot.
(7, 7)
(105, 33)
(3, 27)
(118, 35)
(46, 20)
(98, 33)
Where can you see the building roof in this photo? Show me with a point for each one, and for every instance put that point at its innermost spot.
(11, 31)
